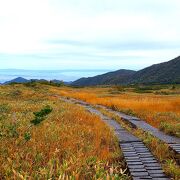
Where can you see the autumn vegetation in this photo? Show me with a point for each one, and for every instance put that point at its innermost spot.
(42, 137)
(160, 108)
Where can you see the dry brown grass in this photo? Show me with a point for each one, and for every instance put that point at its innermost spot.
(158, 110)
(69, 142)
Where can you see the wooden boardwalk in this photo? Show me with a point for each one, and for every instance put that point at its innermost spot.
(140, 161)
(172, 141)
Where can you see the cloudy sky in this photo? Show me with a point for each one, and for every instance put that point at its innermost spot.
(88, 34)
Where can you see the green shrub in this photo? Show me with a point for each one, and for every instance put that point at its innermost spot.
(170, 129)
(173, 87)
(12, 131)
(4, 108)
(143, 89)
(27, 136)
(40, 116)
(30, 84)
(162, 93)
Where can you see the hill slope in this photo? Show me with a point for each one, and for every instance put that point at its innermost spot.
(167, 72)
(17, 80)
(116, 77)
(163, 73)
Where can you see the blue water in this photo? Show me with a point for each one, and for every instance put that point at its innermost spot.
(65, 75)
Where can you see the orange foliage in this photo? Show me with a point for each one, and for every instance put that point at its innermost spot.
(64, 144)
(148, 107)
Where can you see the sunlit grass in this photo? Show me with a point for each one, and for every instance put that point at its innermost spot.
(160, 111)
(67, 142)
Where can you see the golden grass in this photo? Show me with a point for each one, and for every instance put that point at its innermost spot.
(158, 110)
(69, 143)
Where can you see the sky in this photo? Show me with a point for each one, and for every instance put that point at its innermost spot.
(88, 34)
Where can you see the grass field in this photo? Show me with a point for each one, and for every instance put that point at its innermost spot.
(42, 137)
(161, 110)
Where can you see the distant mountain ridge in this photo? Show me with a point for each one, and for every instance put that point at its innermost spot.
(163, 73)
(115, 77)
(23, 80)
(17, 80)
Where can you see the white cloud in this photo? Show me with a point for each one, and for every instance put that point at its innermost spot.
(95, 30)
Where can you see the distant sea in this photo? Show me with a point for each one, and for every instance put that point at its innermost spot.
(65, 75)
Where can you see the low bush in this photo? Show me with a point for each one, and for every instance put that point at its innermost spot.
(40, 116)
(30, 84)
(4, 108)
(172, 129)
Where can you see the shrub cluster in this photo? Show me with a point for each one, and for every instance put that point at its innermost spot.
(40, 116)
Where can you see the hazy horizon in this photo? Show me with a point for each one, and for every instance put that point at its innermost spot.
(65, 75)
(61, 74)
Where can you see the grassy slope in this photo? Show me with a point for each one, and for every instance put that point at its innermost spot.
(68, 142)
